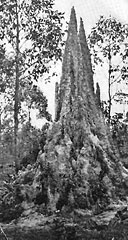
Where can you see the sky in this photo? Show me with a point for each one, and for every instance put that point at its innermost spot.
(90, 11)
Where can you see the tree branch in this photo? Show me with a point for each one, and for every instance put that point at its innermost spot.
(116, 79)
(2, 231)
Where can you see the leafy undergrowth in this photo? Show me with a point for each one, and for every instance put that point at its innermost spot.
(79, 225)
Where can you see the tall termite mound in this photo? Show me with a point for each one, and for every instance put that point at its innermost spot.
(84, 164)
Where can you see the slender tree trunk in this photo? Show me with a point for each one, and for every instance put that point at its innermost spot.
(16, 104)
(1, 141)
(1, 160)
(29, 115)
(0, 124)
(109, 86)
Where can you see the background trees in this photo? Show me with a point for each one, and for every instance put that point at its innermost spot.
(109, 45)
(30, 39)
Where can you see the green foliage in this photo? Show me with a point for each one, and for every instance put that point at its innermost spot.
(35, 99)
(117, 127)
(39, 27)
(108, 46)
(10, 201)
(106, 39)
(17, 22)
(31, 36)
(105, 109)
(44, 30)
(30, 141)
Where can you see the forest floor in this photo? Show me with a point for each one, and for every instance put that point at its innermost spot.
(111, 224)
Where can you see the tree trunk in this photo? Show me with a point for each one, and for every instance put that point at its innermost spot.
(109, 86)
(16, 99)
(1, 160)
(29, 115)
